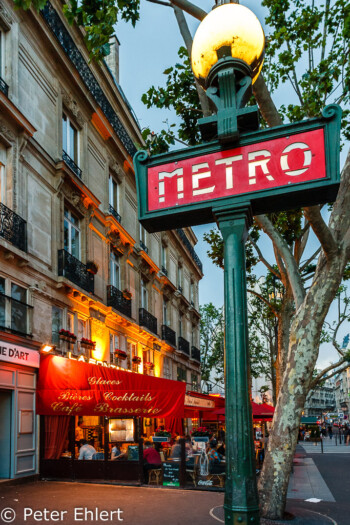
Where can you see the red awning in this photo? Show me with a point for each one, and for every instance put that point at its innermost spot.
(70, 387)
(260, 412)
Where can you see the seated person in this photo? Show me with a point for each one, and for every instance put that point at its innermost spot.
(221, 449)
(115, 451)
(151, 459)
(214, 459)
(87, 450)
(176, 449)
(189, 453)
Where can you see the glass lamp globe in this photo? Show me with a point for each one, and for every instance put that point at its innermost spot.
(228, 26)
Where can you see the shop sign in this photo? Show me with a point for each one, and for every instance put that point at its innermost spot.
(70, 387)
(19, 355)
(272, 169)
(171, 473)
(198, 402)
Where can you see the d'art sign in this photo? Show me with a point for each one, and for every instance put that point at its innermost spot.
(69, 387)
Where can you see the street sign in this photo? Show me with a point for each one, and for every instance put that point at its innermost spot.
(272, 169)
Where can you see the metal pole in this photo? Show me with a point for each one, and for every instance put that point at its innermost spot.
(321, 445)
(241, 497)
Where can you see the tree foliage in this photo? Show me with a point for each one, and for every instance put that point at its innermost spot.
(97, 17)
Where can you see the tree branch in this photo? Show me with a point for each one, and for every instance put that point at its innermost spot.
(328, 369)
(167, 4)
(186, 35)
(310, 259)
(321, 230)
(275, 312)
(283, 250)
(190, 8)
(263, 260)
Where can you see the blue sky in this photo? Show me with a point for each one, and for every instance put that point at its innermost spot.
(145, 52)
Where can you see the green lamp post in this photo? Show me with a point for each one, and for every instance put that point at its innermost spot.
(227, 56)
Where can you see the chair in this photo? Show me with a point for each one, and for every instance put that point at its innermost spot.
(155, 476)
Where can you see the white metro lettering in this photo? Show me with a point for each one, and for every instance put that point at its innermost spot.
(253, 164)
(180, 182)
(197, 176)
(229, 171)
(307, 158)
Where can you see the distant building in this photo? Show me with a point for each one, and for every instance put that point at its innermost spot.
(342, 392)
(321, 399)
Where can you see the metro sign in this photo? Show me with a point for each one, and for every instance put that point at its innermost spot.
(274, 169)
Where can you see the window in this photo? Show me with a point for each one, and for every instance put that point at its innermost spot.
(117, 342)
(71, 234)
(143, 239)
(165, 313)
(82, 333)
(14, 310)
(70, 322)
(192, 293)
(70, 138)
(144, 294)
(181, 374)
(148, 366)
(180, 325)
(193, 336)
(2, 174)
(167, 368)
(194, 382)
(2, 53)
(114, 271)
(114, 193)
(57, 317)
(179, 278)
(163, 257)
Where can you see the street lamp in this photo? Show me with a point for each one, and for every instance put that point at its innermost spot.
(227, 57)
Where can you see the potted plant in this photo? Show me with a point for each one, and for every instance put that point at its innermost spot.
(161, 436)
(72, 337)
(92, 267)
(136, 359)
(127, 294)
(120, 354)
(201, 434)
(63, 334)
(87, 343)
(148, 365)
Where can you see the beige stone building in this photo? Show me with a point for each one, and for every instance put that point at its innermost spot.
(73, 255)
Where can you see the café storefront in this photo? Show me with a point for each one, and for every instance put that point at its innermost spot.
(104, 406)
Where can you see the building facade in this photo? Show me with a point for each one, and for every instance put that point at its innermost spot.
(321, 400)
(77, 270)
(342, 393)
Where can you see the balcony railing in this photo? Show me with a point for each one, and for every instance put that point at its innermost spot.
(13, 228)
(4, 87)
(180, 289)
(114, 213)
(165, 271)
(71, 164)
(190, 248)
(168, 335)
(74, 270)
(143, 247)
(116, 300)
(183, 345)
(15, 316)
(196, 354)
(147, 320)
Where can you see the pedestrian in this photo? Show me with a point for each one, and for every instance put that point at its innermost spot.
(324, 431)
(347, 434)
(330, 431)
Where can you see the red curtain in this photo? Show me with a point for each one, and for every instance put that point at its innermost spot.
(56, 434)
(174, 424)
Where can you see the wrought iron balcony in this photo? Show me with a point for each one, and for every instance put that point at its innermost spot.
(165, 271)
(114, 213)
(168, 335)
(71, 164)
(180, 289)
(74, 270)
(147, 320)
(4, 87)
(15, 316)
(143, 247)
(190, 248)
(13, 228)
(183, 345)
(116, 299)
(196, 354)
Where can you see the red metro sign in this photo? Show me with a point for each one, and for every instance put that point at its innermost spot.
(244, 169)
(275, 169)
